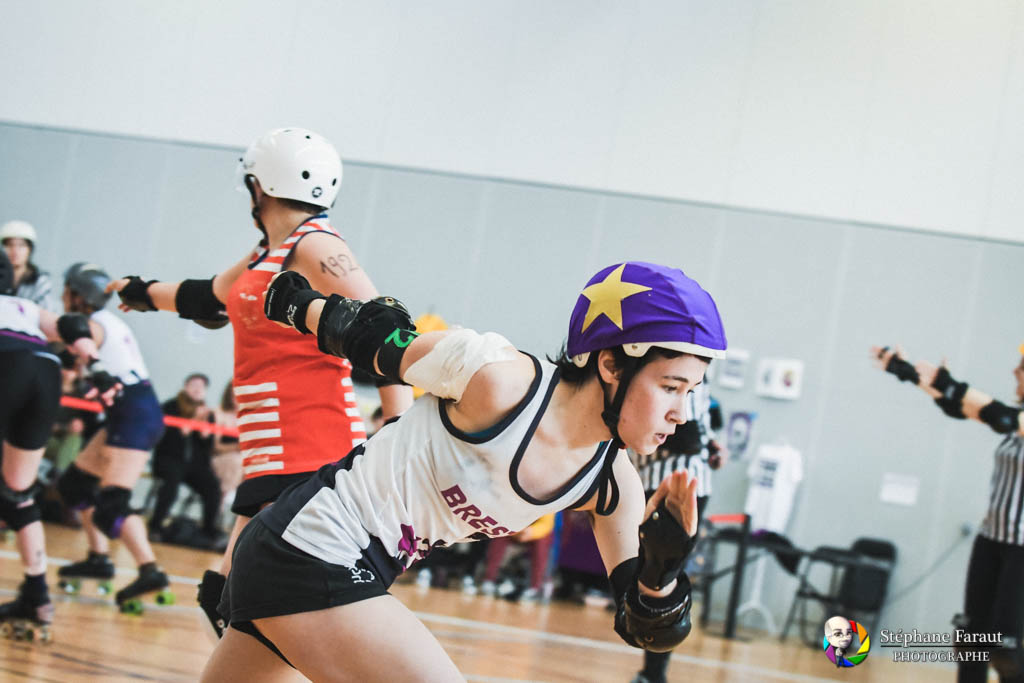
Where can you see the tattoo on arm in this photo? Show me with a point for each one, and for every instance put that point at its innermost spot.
(338, 266)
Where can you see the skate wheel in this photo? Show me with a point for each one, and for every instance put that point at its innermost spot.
(105, 587)
(131, 606)
(70, 585)
(165, 598)
(6, 630)
(45, 635)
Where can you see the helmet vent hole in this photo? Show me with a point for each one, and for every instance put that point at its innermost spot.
(334, 182)
(305, 175)
(307, 137)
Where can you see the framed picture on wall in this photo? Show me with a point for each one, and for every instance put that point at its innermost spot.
(734, 369)
(780, 378)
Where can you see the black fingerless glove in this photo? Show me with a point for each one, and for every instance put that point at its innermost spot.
(953, 392)
(288, 299)
(100, 379)
(902, 369)
(135, 294)
(664, 547)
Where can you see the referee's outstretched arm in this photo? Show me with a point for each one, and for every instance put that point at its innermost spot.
(956, 399)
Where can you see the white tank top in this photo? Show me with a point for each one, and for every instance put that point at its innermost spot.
(420, 483)
(19, 320)
(119, 352)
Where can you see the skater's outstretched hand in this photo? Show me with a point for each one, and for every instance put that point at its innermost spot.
(679, 491)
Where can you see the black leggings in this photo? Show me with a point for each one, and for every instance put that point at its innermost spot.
(198, 475)
(994, 598)
(30, 398)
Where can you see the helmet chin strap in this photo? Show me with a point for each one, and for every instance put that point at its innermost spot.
(613, 408)
(608, 488)
(256, 208)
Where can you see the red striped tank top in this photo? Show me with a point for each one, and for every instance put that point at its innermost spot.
(296, 405)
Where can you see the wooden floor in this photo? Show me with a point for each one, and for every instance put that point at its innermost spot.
(490, 640)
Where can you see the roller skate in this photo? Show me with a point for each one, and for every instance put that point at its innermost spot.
(97, 567)
(151, 579)
(27, 617)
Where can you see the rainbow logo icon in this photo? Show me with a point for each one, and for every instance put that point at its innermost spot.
(852, 660)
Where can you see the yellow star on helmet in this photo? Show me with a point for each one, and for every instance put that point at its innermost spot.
(606, 297)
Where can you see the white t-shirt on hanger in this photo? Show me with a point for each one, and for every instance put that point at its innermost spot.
(774, 474)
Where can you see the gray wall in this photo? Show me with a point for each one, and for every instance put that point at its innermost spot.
(511, 257)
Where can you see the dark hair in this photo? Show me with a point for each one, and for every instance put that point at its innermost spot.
(577, 376)
(227, 399)
(297, 205)
(197, 375)
(294, 204)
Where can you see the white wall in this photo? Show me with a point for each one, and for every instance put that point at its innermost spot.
(900, 112)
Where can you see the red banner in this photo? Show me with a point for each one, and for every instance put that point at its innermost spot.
(169, 420)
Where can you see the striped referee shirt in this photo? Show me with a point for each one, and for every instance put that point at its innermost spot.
(1006, 494)
(653, 468)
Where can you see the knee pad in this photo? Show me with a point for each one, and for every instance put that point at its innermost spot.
(1008, 660)
(78, 488)
(113, 505)
(18, 508)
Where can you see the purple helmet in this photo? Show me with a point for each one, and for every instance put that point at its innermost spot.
(638, 305)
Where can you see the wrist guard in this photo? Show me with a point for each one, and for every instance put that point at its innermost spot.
(358, 330)
(654, 624)
(953, 392)
(73, 326)
(902, 369)
(664, 547)
(100, 379)
(135, 294)
(1000, 417)
(288, 299)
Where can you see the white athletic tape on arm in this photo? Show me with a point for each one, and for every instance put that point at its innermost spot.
(447, 368)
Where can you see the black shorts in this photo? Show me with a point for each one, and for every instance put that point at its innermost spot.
(30, 397)
(135, 421)
(270, 578)
(252, 494)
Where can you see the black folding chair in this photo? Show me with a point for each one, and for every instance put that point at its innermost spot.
(857, 586)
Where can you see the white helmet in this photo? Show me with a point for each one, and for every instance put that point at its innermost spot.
(294, 163)
(19, 229)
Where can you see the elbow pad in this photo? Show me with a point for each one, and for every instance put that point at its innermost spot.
(446, 369)
(654, 624)
(359, 330)
(1000, 417)
(73, 326)
(195, 300)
